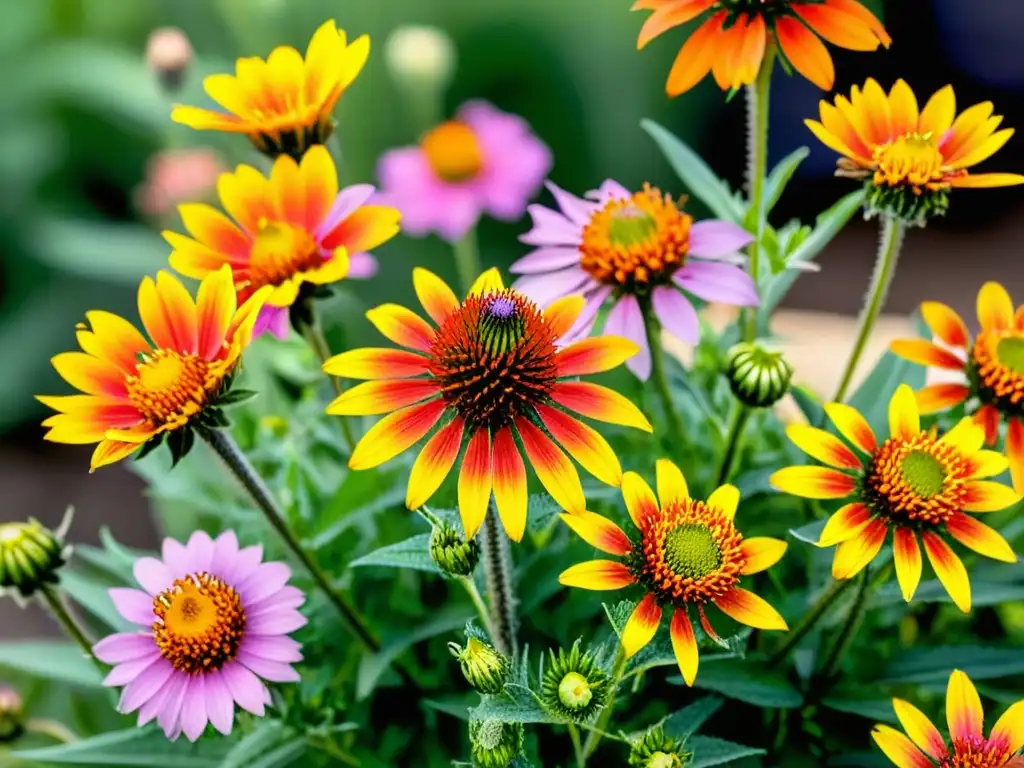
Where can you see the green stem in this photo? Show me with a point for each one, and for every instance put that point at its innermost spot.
(594, 737)
(312, 332)
(733, 440)
(659, 375)
(239, 465)
(467, 260)
(885, 268)
(70, 626)
(577, 747)
(757, 167)
(51, 728)
(844, 637)
(481, 607)
(497, 559)
(808, 620)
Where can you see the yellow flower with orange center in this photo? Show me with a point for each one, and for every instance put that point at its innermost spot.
(686, 553)
(490, 371)
(916, 483)
(968, 747)
(992, 367)
(911, 158)
(283, 104)
(134, 391)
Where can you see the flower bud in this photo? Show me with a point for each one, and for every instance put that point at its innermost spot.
(757, 376)
(901, 202)
(420, 57)
(656, 749)
(12, 723)
(30, 556)
(168, 53)
(485, 668)
(494, 744)
(574, 687)
(451, 552)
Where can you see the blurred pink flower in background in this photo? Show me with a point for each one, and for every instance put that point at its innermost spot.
(176, 176)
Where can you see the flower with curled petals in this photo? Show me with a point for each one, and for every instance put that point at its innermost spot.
(491, 374)
(213, 622)
(967, 746)
(916, 483)
(684, 554)
(734, 34)
(992, 365)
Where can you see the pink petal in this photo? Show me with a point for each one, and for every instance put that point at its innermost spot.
(225, 552)
(220, 706)
(282, 649)
(543, 289)
(345, 204)
(263, 582)
(145, 686)
(175, 556)
(200, 552)
(714, 238)
(575, 208)
(153, 575)
(550, 228)
(193, 708)
(169, 714)
(247, 561)
(288, 597)
(245, 688)
(279, 622)
(625, 319)
(273, 320)
(122, 674)
(134, 604)
(125, 646)
(609, 190)
(362, 266)
(676, 314)
(545, 260)
(585, 322)
(272, 671)
(717, 282)
(159, 700)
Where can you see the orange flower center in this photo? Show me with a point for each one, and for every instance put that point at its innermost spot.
(453, 151)
(495, 357)
(170, 388)
(920, 481)
(638, 243)
(976, 752)
(279, 252)
(200, 623)
(689, 553)
(997, 369)
(912, 160)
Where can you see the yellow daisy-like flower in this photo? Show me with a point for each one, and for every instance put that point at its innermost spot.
(911, 158)
(685, 553)
(992, 366)
(916, 483)
(290, 228)
(134, 391)
(967, 746)
(283, 104)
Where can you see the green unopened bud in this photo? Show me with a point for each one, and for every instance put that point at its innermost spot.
(451, 552)
(494, 744)
(30, 555)
(484, 667)
(12, 723)
(574, 687)
(758, 377)
(656, 749)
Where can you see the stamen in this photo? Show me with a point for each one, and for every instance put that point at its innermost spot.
(200, 623)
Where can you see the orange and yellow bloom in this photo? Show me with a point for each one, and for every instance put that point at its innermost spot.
(732, 39)
(967, 746)
(916, 483)
(685, 553)
(283, 104)
(490, 371)
(134, 391)
(910, 158)
(289, 229)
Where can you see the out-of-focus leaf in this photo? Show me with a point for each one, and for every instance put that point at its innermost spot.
(135, 747)
(283, 755)
(119, 253)
(983, 593)
(810, 533)
(258, 741)
(413, 553)
(708, 751)
(873, 395)
(933, 665)
(93, 597)
(748, 681)
(690, 718)
(809, 404)
(50, 660)
(865, 703)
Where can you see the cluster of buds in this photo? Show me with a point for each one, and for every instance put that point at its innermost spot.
(451, 553)
(758, 377)
(494, 744)
(485, 668)
(574, 687)
(656, 749)
(31, 556)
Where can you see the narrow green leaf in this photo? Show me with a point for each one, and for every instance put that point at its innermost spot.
(51, 660)
(93, 597)
(934, 665)
(983, 593)
(708, 751)
(780, 176)
(689, 719)
(862, 702)
(135, 747)
(282, 756)
(750, 682)
(413, 553)
(256, 742)
(809, 404)
(809, 533)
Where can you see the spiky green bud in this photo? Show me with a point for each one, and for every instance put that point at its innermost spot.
(494, 744)
(451, 552)
(484, 667)
(12, 723)
(656, 749)
(913, 209)
(30, 555)
(758, 377)
(574, 687)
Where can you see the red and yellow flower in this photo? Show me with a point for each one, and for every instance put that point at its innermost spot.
(992, 364)
(685, 554)
(290, 228)
(283, 104)
(731, 40)
(916, 483)
(967, 745)
(910, 158)
(134, 391)
(491, 373)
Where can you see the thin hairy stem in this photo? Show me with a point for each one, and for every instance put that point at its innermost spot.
(70, 626)
(497, 559)
(659, 375)
(313, 333)
(757, 168)
(483, 612)
(577, 747)
(594, 737)
(733, 440)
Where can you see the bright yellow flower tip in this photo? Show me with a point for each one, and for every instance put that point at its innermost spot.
(290, 229)
(134, 390)
(916, 483)
(685, 553)
(486, 376)
(910, 158)
(283, 104)
(924, 747)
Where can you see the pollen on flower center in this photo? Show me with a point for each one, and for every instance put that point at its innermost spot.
(1010, 352)
(691, 551)
(200, 623)
(279, 252)
(918, 481)
(636, 243)
(924, 473)
(169, 386)
(574, 691)
(976, 752)
(997, 368)
(912, 160)
(495, 358)
(453, 151)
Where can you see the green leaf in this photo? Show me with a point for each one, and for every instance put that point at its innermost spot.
(516, 704)
(780, 176)
(94, 598)
(708, 751)
(933, 665)
(413, 553)
(100, 250)
(749, 681)
(809, 404)
(689, 719)
(809, 533)
(256, 742)
(136, 747)
(282, 756)
(695, 174)
(983, 593)
(51, 660)
(873, 395)
(236, 396)
(863, 702)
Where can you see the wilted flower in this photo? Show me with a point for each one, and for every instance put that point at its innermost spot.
(758, 377)
(484, 667)
(574, 687)
(31, 555)
(168, 53)
(451, 552)
(175, 176)
(215, 621)
(494, 744)
(656, 749)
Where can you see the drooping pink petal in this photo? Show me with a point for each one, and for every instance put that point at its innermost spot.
(168, 717)
(273, 320)
(122, 674)
(193, 708)
(345, 204)
(626, 319)
(585, 322)
(220, 706)
(676, 314)
(246, 689)
(145, 685)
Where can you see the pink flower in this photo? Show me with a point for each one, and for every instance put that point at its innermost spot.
(639, 250)
(216, 622)
(485, 161)
(177, 176)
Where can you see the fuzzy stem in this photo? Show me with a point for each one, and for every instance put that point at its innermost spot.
(808, 620)
(889, 244)
(497, 559)
(594, 737)
(313, 333)
(757, 167)
(69, 625)
(734, 440)
(658, 373)
(577, 747)
(467, 259)
(469, 585)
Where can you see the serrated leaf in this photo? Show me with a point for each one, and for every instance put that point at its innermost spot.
(135, 747)
(516, 704)
(708, 751)
(413, 553)
(748, 681)
(934, 665)
(51, 660)
(688, 720)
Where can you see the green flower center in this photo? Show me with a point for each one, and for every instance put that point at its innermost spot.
(631, 226)
(10, 532)
(924, 473)
(663, 760)
(1010, 352)
(574, 691)
(691, 551)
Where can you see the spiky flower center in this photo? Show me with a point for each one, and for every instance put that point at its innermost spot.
(920, 481)
(636, 243)
(976, 752)
(200, 623)
(997, 368)
(170, 387)
(574, 691)
(279, 252)
(913, 160)
(689, 553)
(453, 151)
(495, 358)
